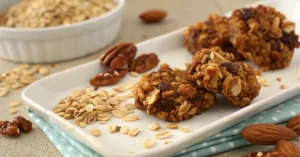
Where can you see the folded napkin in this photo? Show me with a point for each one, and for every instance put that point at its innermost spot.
(224, 141)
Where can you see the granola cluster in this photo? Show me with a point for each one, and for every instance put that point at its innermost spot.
(214, 32)
(171, 95)
(216, 73)
(261, 34)
(47, 13)
(264, 36)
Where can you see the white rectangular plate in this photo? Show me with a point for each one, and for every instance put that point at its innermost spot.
(42, 95)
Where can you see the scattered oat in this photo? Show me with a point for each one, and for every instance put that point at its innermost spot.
(26, 79)
(124, 129)
(130, 106)
(278, 79)
(4, 91)
(298, 79)
(185, 129)
(264, 82)
(89, 107)
(162, 135)
(130, 118)
(154, 126)
(43, 70)
(134, 74)
(118, 113)
(102, 122)
(95, 132)
(114, 128)
(82, 124)
(134, 132)
(149, 143)
(12, 110)
(14, 103)
(172, 126)
(283, 87)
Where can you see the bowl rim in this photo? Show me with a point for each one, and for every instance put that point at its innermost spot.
(120, 5)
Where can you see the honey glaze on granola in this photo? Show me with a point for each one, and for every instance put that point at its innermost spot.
(171, 95)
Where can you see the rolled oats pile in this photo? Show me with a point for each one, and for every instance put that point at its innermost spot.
(47, 13)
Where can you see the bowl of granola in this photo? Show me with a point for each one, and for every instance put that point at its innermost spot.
(43, 31)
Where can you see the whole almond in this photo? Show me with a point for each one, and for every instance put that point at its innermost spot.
(294, 124)
(154, 15)
(267, 134)
(287, 148)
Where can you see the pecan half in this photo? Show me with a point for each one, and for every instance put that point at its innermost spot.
(144, 63)
(119, 55)
(23, 124)
(8, 128)
(109, 77)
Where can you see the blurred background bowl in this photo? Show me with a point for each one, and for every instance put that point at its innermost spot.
(59, 43)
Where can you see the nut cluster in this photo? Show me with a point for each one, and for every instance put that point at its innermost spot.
(271, 134)
(119, 56)
(47, 13)
(20, 77)
(14, 128)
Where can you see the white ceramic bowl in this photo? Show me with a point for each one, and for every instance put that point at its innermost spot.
(52, 44)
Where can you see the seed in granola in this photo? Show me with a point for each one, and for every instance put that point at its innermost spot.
(130, 106)
(82, 124)
(14, 103)
(43, 70)
(95, 132)
(118, 113)
(13, 110)
(278, 79)
(283, 87)
(134, 74)
(154, 126)
(114, 128)
(185, 129)
(149, 143)
(89, 108)
(134, 132)
(162, 135)
(4, 91)
(172, 126)
(117, 73)
(130, 118)
(124, 129)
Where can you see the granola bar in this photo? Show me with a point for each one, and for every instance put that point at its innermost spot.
(211, 33)
(171, 95)
(264, 36)
(236, 81)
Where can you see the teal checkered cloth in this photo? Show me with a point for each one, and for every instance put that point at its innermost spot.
(224, 141)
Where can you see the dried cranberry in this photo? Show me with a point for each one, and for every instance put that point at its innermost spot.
(230, 67)
(246, 13)
(275, 46)
(164, 86)
(290, 39)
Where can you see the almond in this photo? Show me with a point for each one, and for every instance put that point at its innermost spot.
(287, 148)
(294, 124)
(154, 15)
(267, 134)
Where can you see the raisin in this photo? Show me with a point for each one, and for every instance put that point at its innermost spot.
(275, 46)
(194, 34)
(230, 67)
(165, 105)
(164, 86)
(246, 13)
(290, 39)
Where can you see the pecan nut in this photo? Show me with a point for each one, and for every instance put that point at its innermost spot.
(144, 63)
(109, 77)
(9, 128)
(23, 124)
(119, 55)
